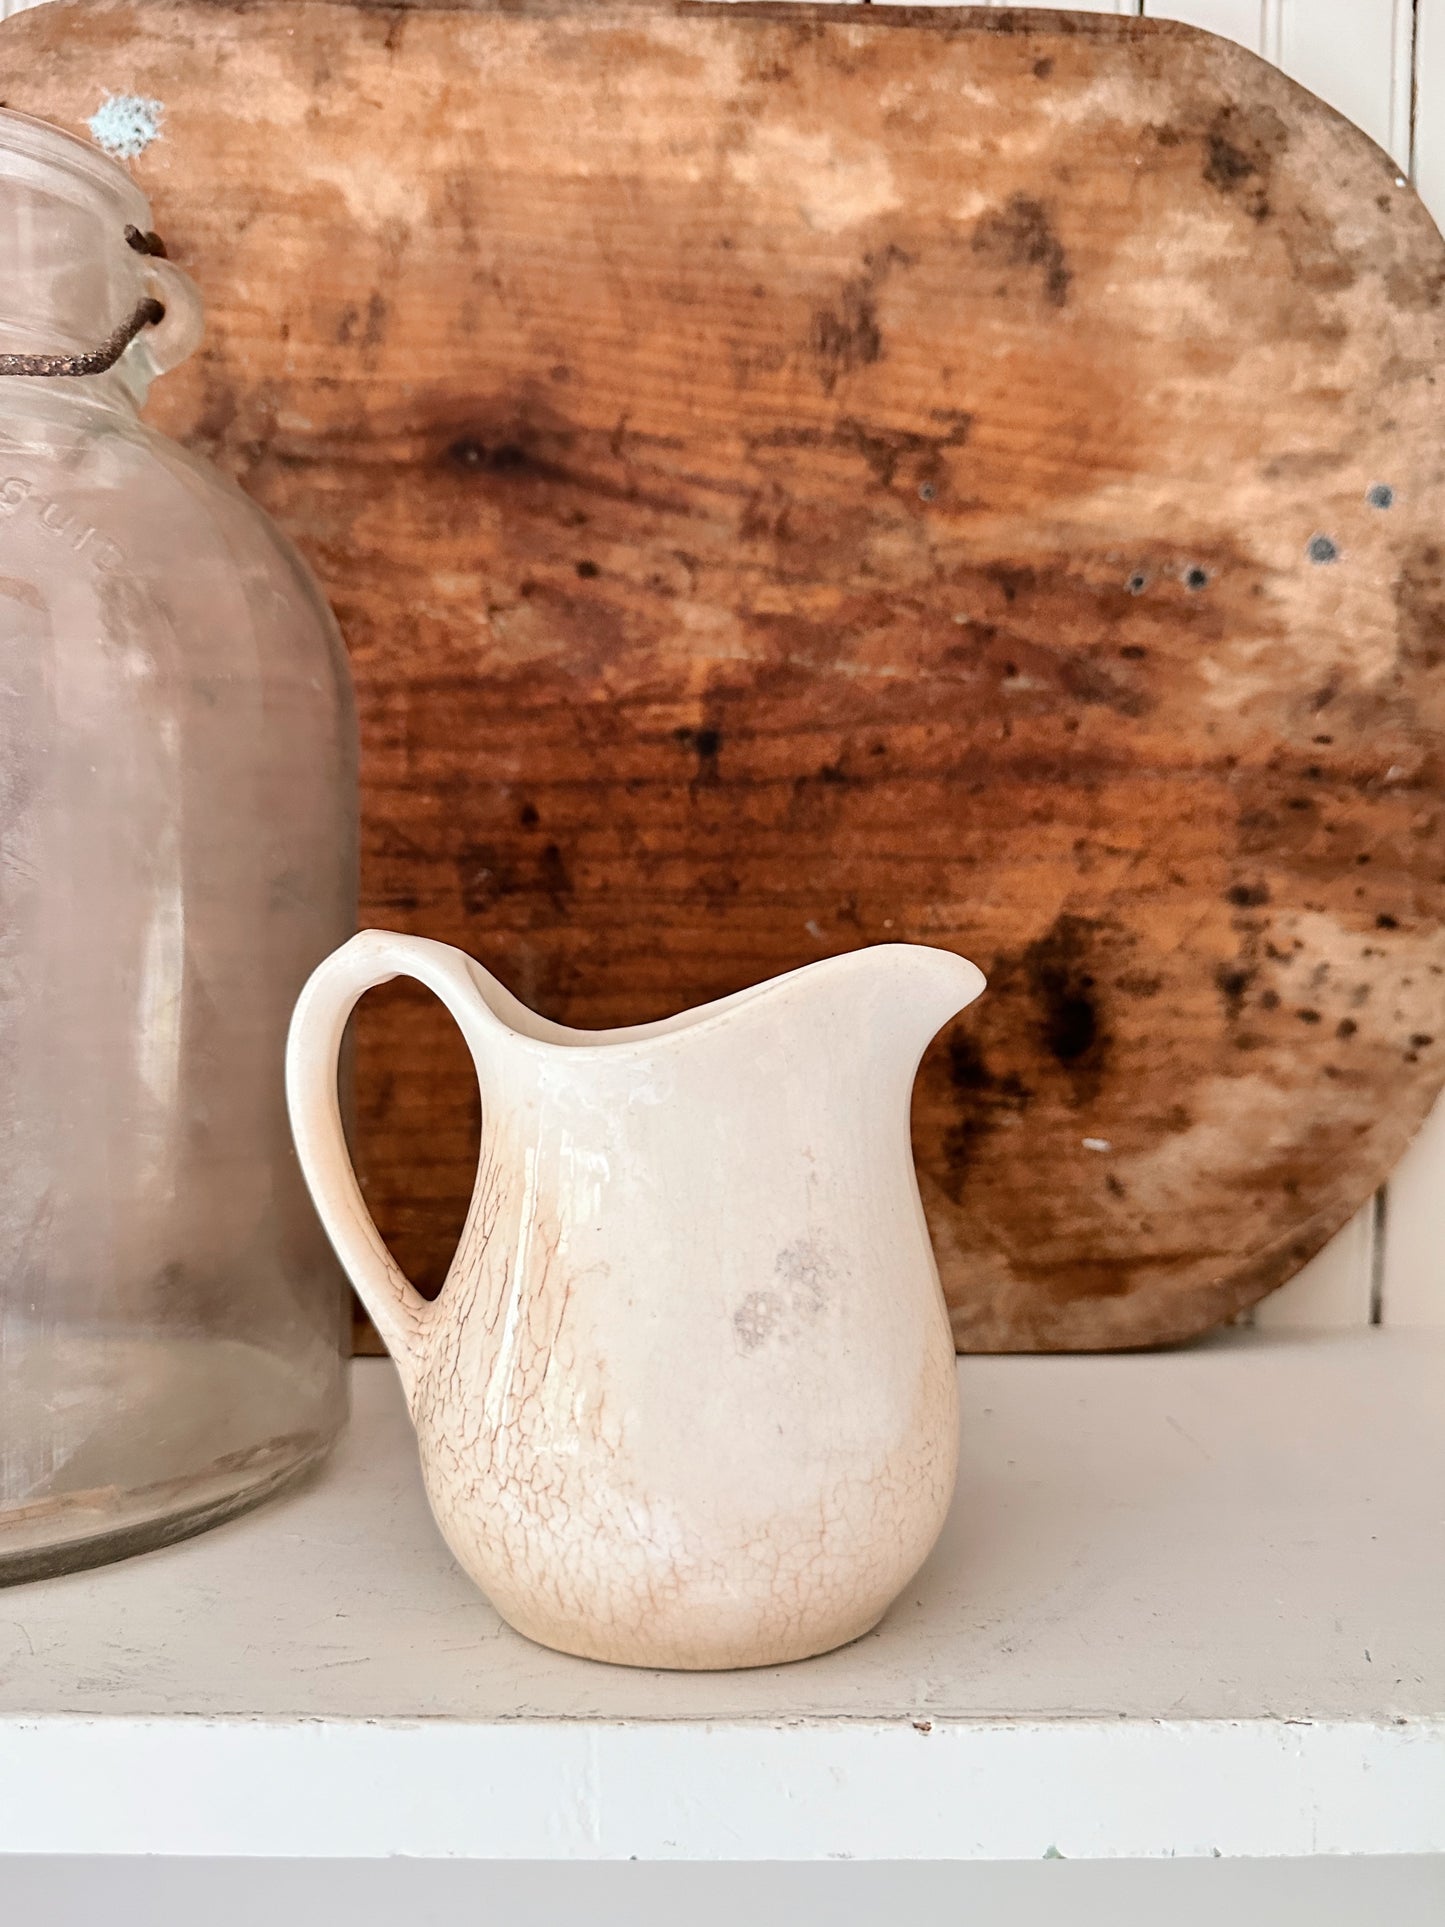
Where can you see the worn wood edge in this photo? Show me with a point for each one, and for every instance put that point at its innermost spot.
(1248, 1285)
(949, 22)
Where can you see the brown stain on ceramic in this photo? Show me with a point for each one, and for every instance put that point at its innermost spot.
(874, 523)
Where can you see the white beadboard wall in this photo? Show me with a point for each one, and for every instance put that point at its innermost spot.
(1381, 62)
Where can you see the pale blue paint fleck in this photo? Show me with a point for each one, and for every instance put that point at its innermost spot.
(125, 124)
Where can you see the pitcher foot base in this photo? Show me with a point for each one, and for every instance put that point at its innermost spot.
(692, 1656)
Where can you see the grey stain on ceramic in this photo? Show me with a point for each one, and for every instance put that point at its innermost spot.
(126, 124)
(1381, 496)
(755, 1319)
(1323, 549)
(798, 1296)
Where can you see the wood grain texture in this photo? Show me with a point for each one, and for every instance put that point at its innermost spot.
(791, 479)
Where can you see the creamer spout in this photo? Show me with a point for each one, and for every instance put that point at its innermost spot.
(886, 1002)
(926, 987)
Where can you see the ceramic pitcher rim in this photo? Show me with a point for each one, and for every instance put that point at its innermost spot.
(544, 1034)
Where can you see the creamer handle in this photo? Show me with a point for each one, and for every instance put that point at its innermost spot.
(313, 1052)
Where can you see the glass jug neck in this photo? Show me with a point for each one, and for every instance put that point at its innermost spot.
(69, 276)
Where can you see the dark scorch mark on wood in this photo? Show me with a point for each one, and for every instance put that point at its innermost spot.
(847, 334)
(984, 1099)
(1021, 235)
(1058, 968)
(1241, 146)
(1419, 593)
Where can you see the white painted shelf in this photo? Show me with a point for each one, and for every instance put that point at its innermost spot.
(1187, 1603)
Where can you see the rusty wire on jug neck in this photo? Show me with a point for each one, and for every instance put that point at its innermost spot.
(96, 361)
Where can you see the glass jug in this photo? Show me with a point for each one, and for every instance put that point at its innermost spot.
(177, 851)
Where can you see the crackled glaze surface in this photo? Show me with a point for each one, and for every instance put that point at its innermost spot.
(687, 1398)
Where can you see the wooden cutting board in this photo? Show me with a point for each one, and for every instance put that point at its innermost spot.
(791, 479)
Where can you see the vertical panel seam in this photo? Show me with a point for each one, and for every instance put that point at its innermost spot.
(1404, 30)
(1413, 154)
(1271, 30)
(1377, 1257)
(1410, 160)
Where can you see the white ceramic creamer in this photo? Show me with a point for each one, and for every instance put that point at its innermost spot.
(687, 1398)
